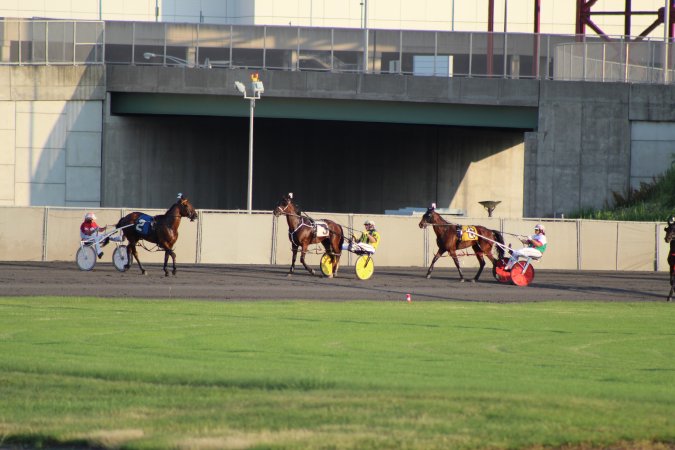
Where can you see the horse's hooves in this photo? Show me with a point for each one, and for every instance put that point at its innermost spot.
(173, 272)
(166, 274)
(329, 276)
(473, 280)
(461, 280)
(289, 274)
(428, 276)
(143, 272)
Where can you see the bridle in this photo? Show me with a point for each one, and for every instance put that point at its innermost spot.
(291, 234)
(283, 210)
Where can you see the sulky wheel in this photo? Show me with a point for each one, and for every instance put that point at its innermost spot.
(499, 271)
(326, 265)
(364, 267)
(120, 258)
(520, 276)
(86, 258)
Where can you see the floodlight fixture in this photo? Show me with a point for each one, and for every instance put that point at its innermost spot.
(257, 88)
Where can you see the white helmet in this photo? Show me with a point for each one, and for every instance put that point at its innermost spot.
(369, 222)
(540, 227)
(90, 216)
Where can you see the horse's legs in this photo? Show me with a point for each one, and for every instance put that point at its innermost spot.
(168, 253)
(173, 261)
(294, 249)
(336, 264)
(133, 249)
(130, 257)
(302, 259)
(438, 254)
(459, 269)
(672, 283)
(481, 261)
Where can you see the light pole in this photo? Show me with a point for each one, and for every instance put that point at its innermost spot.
(257, 88)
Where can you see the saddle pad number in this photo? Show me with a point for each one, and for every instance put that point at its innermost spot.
(144, 225)
(321, 229)
(469, 233)
(141, 226)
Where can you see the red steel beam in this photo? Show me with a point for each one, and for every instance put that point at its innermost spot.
(584, 13)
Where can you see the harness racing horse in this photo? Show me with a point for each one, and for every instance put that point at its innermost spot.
(303, 231)
(670, 238)
(161, 230)
(448, 241)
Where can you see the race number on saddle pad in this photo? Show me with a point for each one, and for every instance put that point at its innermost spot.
(469, 233)
(144, 224)
(321, 228)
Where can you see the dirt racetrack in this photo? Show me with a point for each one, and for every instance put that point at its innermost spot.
(248, 282)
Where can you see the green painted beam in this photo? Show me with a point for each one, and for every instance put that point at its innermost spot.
(328, 109)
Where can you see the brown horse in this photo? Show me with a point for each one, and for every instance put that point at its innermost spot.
(448, 241)
(161, 230)
(303, 231)
(670, 238)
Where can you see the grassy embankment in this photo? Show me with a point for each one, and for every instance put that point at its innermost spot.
(652, 202)
(142, 374)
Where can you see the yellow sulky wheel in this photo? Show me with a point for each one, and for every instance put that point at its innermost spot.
(326, 265)
(364, 267)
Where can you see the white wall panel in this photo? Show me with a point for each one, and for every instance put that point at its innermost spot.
(83, 184)
(39, 194)
(7, 149)
(7, 113)
(83, 149)
(39, 129)
(40, 165)
(7, 182)
(84, 116)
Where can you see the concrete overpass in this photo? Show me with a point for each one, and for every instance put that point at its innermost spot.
(342, 142)
(366, 143)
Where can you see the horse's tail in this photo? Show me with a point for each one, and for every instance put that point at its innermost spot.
(342, 237)
(499, 238)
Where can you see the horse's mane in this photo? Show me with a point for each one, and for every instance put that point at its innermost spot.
(445, 222)
(298, 210)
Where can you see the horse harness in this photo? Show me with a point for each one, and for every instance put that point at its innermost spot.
(314, 225)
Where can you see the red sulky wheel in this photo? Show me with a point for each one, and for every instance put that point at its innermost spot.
(499, 271)
(521, 276)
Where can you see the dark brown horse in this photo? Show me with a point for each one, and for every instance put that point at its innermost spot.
(161, 230)
(670, 238)
(448, 241)
(303, 231)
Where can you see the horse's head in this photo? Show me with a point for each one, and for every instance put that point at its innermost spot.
(186, 209)
(670, 229)
(285, 205)
(428, 217)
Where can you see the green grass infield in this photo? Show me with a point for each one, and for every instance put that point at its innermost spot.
(157, 374)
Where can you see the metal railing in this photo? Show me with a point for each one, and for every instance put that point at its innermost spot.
(51, 42)
(339, 50)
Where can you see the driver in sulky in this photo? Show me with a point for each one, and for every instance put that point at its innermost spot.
(535, 245)
(369, 239)
(89, 230)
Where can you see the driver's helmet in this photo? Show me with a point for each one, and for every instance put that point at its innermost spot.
(369, 223)
(671, 220)
(90, 216)
(540, 227)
